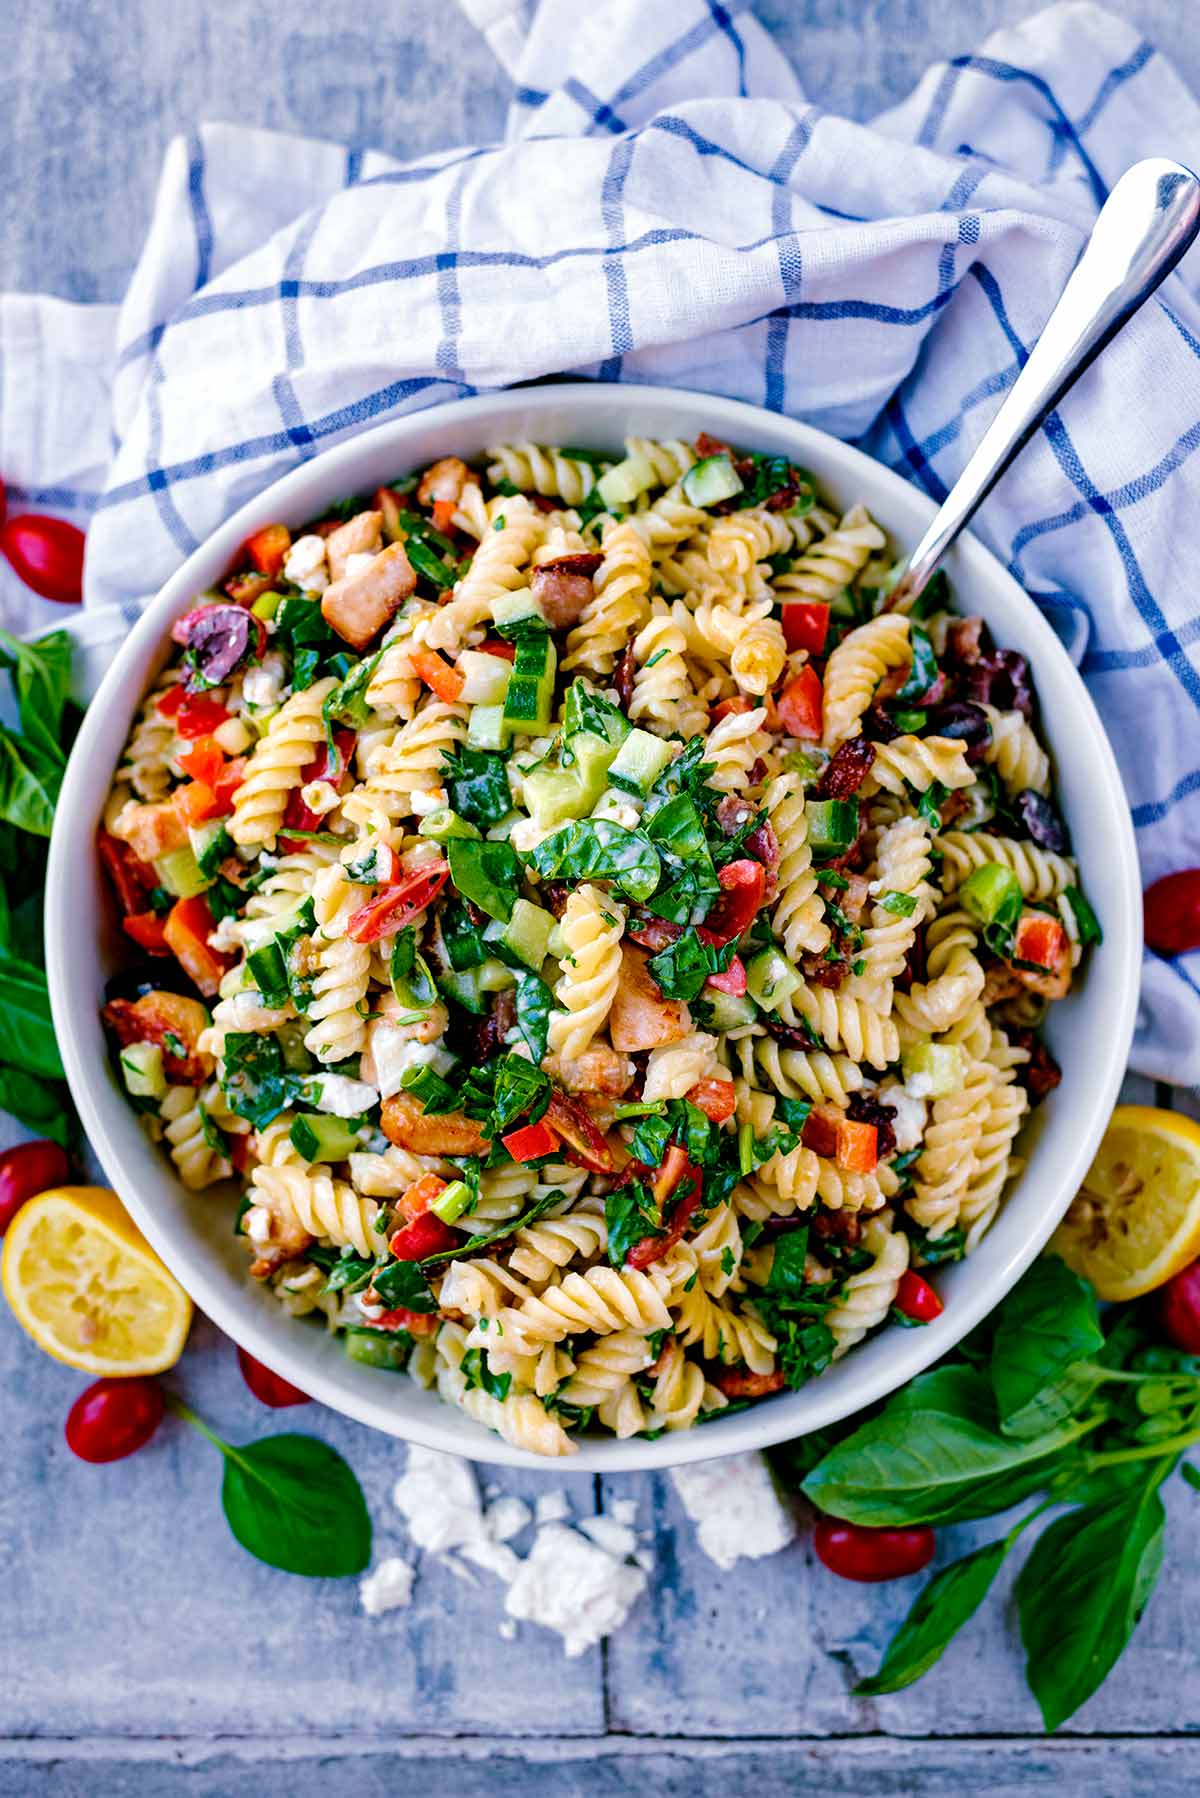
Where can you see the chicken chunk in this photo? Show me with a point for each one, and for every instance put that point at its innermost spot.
(435, 1133)
(150, 830)
(359, 536)
(359, 605)
(641, 1018)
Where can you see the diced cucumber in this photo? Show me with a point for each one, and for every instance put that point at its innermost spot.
(268, 970)
(180, 873)
(485, 727)
(832, 825)
(530, 696)
(472, 989)
(933, 1070)
(510, 608)
(257, 931)
(267, 604)
(211, 843)
(730, 1011)
(319, 1137)
(708, 482)
(639, 762)
(621, 484)
(142, 1071)
(444, 824)
(555, 796)
(525, 937)
(770, 979)
(493, 977)
(389, 1349)
(534, 654)
(992, 894)
(484, 677)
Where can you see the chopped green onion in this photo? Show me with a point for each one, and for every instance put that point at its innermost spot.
(452, 1202)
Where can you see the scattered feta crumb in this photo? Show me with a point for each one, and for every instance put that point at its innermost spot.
(426, 802)
(256, 1224)
(320, 796)
(910, 1111)
(508, 1630)
(615, 1538)
(735, 1508)
(387, 1587)
(493, 1557)
(552, 1507)
(263, 686)
(569, 1585)
(439, 1500)
(227, 937)
(507, 1517)
(305, 564)
(340, 1096)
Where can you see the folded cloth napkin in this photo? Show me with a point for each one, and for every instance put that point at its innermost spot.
(669, 206)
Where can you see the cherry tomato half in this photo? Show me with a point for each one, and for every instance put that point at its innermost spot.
(916, 1298)
(47, 554)
(30, 1168)
(855, 1551)
(114, 1418)
(1179, 1309)
(1172, 913)
(269, 1388)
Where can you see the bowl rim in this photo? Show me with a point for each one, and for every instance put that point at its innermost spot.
(81, 798)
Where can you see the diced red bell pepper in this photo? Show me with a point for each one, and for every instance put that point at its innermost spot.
(146, 929)
(195, 802)
(168, 703)
(732, 980)
(391, 909)
(916, 1298)
(805, 625)
(743, 888)
(1042, 940)
(717, 1099)
(417, 1323)
(732, 707)
(655, 1248)
(445, 681)
(203, 759)
(735, 1382)
(418, 1197)
(325, 766)
(496, 646)
(267, 548)
(296, 816)
(199, 714)
(820, 1132)
(228, 781)
(530, 1142)
(131, 879)
(425, 1235)
(586, 1145)
(801, 706)
(857, 1146)
(188, 926)
(676, 1167)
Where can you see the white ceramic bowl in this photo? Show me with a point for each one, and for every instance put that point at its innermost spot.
(1090, 1032)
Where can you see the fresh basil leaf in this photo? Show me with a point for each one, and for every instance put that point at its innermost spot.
(488, 874)
(787, 1276)
(630, 1215)
(805, 1343)
(27, 1037)
(401, 1285)
(462, 940)
(28, 789)
(349, 1273)
(42, 677)
(951, 1599)
(412, 982)
(598, 849)
(477, 1373)
(681, 969)
(519, 1088)
(922, 673)
(1191, 1475)
(473, 1245)
(347, 703)
(256, 1082)
(930, 803)
(651, 1137)
(301, 630)
(1086, 921)
(293, 1502)
(478, 781)
(535, 1002)
(1082, 1592)
(935, 1455)
(43, 1107)
(1047, 1323)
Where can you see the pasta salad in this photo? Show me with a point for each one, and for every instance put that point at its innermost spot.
(602, 941)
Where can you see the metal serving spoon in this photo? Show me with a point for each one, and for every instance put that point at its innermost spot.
(1146, 224)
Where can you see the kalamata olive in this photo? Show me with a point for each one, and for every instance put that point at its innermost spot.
(1001, 678)
(269, 1388)
(1042, 823)
(965, 723)
(858, 1552)
(27, 1169)
(1178, 1306)
(114, 1418)
(879, 725)
(220, 638)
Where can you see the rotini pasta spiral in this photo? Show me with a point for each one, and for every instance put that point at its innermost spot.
(798, 919)
(591, 928)
(547, 471)
(868, 1296)
(619, 604)
(1042, 874)
(855, 669)
(275, 766)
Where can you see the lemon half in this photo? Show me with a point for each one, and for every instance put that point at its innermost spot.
(83, 1281)
(1136, 1219)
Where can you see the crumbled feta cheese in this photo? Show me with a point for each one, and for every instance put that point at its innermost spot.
(256, 1224)
(911, 1115)
(735, 1508)
(507, 1517)
(493, 1557)
(615, 1538)
(393, 1050)
(919, 1086)
(552, 1507)
(569, 1585)
(387, 1587)
(439, 1500)
(621, 808)
(320, 796)
(340, 1096)
(528, 834)
(305, 565)
(246, 1011)
(358, 562)
(263, 686)
(432, 801)
(227, 937)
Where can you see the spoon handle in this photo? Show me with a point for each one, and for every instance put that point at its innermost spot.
(1144, 227)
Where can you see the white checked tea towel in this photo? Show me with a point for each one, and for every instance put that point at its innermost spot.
(670, 206)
